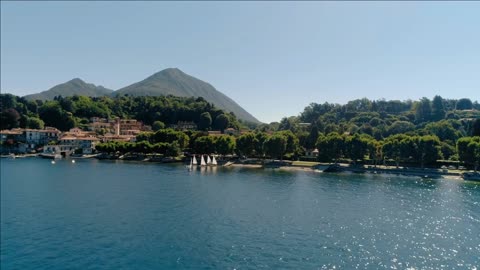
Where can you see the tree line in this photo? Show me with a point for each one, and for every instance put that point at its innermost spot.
(420, 132)
(357, 148)
(65, 113)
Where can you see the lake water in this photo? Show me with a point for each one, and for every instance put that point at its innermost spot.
(115, 215)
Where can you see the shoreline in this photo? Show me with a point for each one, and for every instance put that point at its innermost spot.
(425, 173)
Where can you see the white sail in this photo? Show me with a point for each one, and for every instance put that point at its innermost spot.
(208, 160)
(190, 166)
(202, 161)
(194, 162)
(214, 161)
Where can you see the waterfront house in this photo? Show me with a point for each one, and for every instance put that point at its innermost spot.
(117, 126)
(39, 137)
(12, 141)
(231, 131)
(184, 125)
(32, 138)
(69, 144)
(312, 152)
(11, 136)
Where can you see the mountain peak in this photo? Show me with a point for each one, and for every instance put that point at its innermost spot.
(76, 80)
(173, 81)
(169, 72)
(75, 86)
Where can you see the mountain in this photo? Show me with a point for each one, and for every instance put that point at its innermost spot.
(70, 88)
(173, 81)
(170, 81)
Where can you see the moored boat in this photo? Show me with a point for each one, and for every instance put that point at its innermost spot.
(471, 176)
(214, 161)
(334, 168)
(202, 161)
(50, 155)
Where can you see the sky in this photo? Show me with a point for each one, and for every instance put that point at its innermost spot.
(272, 58)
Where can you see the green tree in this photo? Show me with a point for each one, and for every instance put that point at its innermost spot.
(221, 122)
(275, 146)
(204, 145)
(246, 144)
(53, 115)
(311, 140)
(9, 118)
(145, 136)
(225, 145)
(260, 138)
(444, 130)
(290, 123)
(397, 147)
(292, 146)
(400, 127)
(205, 121)
(157, 125)
(331, 147)
(35, 123)
(438, 109)
(476, 128)
(172, 149)
(423, 111)
(169, 136)
(428, 149)
(356, 147)
(464, 104)
(468, 149)
(143, 147)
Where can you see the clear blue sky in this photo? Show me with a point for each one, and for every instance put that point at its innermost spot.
(273, 58)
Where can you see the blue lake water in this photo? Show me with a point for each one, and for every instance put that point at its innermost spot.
(117, 215)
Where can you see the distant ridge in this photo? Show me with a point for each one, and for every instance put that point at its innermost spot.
(173, 81)
(73, 87)
(170, 81)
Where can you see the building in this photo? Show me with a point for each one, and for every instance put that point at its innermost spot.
(69, 144)
(214, 133)
(118, 138)
(117, 126)
(312, 152)
(39, 137)
(11, 136)
(184, 125)
(231, 131)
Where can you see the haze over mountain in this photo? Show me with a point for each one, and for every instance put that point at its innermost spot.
(171, 81)
(73, 87)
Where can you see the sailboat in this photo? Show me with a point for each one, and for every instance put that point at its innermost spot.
(209, 161)
(194, 160)
(190, 166)
(214, 161)
(202, 161)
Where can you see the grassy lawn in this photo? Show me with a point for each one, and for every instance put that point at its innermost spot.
(305, 163)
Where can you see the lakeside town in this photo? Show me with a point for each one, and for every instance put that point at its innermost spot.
(77, 143)
(442, 134)
(50, 140)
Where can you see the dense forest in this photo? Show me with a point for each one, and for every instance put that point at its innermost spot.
(418, 132)
(423, 132)
(68, 112)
